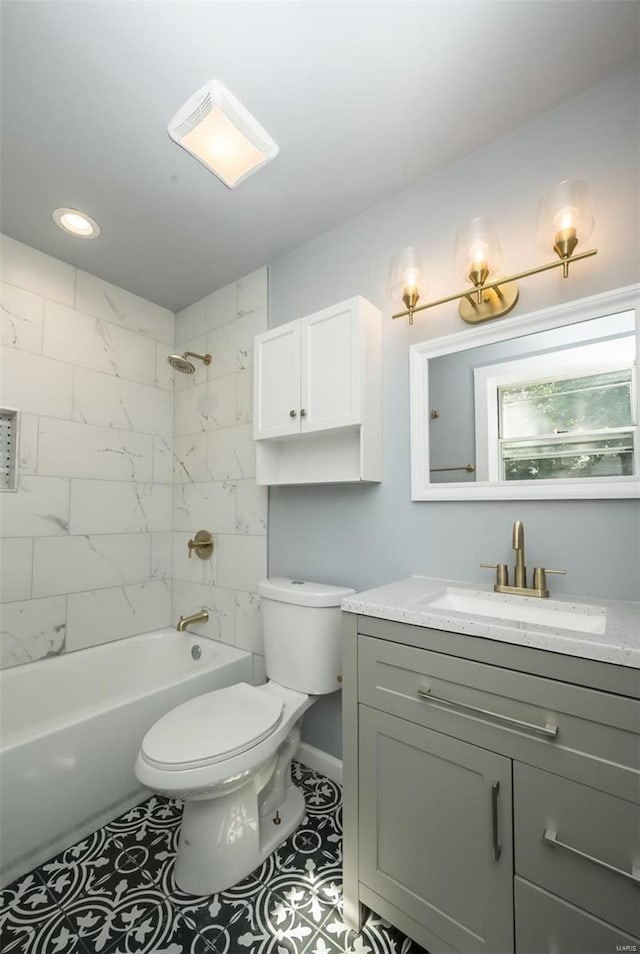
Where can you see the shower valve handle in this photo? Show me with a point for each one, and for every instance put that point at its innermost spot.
(202, 543)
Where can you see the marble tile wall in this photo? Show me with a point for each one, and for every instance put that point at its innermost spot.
(85, 554)
(121, 460)
(214, 466)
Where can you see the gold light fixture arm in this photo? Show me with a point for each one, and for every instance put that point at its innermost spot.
(496, 286)
(410, 299)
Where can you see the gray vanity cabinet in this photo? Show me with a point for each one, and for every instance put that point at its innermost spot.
(435, 817)
(491, 793)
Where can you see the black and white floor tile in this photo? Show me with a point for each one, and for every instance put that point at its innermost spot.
(114, 893)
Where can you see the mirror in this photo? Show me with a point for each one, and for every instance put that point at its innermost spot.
(541, 406)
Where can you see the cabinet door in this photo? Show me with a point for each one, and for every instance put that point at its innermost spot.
(331, 368)
(276, 399)
(435, 832)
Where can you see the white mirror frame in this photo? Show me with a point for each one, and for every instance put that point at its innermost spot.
(598, 306)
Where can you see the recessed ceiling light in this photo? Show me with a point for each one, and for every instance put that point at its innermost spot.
(221, 134)
(76, 223)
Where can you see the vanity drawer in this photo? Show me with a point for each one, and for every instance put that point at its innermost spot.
(584, 734)
(546, 924)
(579, 843)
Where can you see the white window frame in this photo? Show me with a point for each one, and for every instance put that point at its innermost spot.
(619, 354)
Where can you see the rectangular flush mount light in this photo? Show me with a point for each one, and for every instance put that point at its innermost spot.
(221, 134)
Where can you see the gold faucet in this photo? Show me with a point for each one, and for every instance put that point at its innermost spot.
(184, 621)
(520, 587)
(520, 570)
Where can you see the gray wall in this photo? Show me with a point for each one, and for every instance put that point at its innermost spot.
(364, 536)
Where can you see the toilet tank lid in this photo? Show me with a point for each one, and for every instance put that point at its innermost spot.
(302, 592)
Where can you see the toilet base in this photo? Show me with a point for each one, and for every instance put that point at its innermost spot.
(274, 832)
(223, 839)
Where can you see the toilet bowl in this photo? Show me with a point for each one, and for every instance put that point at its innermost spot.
(228, 753)
(238, 807)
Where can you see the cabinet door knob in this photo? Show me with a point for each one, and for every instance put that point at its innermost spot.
(303, 413)
(293, 413)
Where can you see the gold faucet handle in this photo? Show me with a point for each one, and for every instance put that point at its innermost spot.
(502, 572)
(540, 576)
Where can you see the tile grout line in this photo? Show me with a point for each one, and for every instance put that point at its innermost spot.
(178, 914)
(67, 922)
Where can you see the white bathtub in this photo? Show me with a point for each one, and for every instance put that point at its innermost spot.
(71, 728)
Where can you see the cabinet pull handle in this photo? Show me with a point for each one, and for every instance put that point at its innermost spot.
(549, 731)
(497, 847)
(303, 412)
(293, 413)
(551, 838)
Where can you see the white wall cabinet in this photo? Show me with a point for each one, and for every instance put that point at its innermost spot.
(317, 397)
(476, 771)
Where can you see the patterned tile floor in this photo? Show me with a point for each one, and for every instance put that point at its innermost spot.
(114, 893)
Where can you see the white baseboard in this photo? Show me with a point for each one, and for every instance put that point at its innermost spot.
(320, 761)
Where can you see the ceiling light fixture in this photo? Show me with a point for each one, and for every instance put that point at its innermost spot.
(221, 134)
(76, 223)
(565, 219)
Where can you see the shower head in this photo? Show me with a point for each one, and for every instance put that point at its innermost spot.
(180, 362)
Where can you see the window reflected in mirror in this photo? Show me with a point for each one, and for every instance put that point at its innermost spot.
(563, 413)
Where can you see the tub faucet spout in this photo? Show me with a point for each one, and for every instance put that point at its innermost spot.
(201, 617)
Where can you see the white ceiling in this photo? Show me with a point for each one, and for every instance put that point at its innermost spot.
(363, 99)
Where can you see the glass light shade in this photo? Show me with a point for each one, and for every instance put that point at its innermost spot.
(406, 274)
(223, 147)
(565, 213)
(478, 252)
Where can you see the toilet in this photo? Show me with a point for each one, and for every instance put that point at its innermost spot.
(228, 753)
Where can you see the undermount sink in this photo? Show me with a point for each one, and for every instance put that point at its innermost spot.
(523, 609)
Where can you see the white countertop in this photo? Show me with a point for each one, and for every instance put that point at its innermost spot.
(407, 601)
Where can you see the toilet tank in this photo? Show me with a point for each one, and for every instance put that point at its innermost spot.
(302, 628)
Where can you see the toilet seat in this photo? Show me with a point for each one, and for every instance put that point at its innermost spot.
(212, 728)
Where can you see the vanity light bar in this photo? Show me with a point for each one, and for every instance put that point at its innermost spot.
(486, 286)
(565, 219)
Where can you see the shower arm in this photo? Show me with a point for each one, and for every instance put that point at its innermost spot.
(205, 358)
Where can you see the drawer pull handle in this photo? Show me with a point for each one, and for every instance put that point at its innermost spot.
(549, 731)
(497, 847)
(551, 838)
